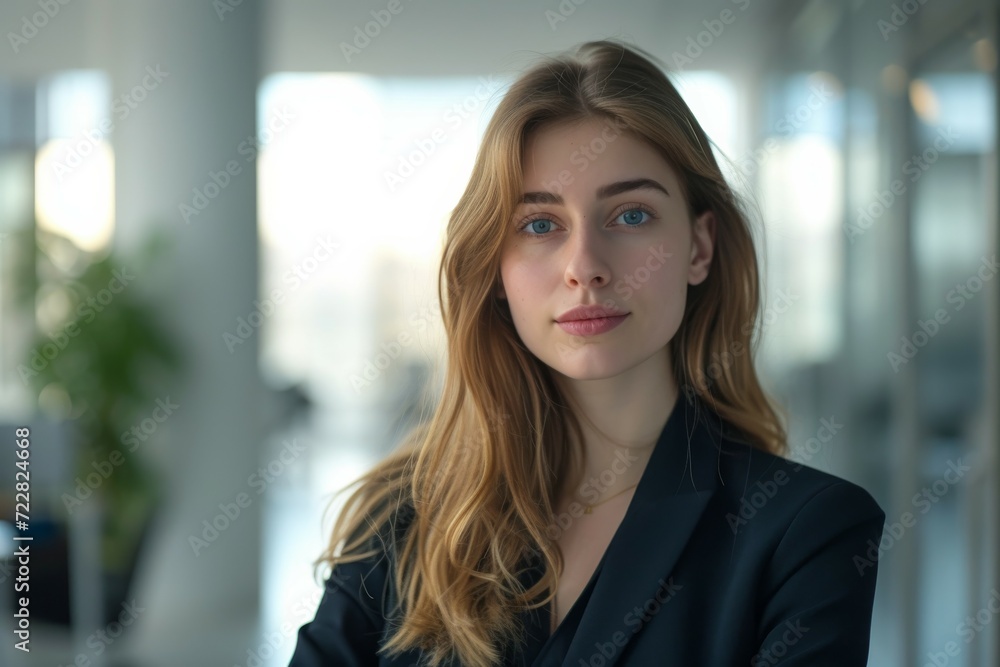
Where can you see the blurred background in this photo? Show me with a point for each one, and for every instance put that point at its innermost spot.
(220, 225)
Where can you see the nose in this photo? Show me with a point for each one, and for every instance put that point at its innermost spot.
(586, 261)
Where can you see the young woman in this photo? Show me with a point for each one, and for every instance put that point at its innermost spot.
(603, 480)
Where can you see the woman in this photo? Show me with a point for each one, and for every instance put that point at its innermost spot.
(603, 480)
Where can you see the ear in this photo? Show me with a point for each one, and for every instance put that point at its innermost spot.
(702, 246)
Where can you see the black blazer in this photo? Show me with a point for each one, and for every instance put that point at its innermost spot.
(726, 555)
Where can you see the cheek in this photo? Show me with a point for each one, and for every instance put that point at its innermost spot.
(658, 287)
(657, 271)
(524, 280)
(528, 287)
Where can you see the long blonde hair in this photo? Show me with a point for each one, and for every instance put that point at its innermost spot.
(480, 476)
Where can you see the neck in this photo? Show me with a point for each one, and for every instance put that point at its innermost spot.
(621, 418)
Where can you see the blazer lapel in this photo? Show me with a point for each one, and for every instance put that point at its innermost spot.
(672, 494)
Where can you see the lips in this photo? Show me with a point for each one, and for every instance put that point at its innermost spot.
(589, 313)
(592, 326)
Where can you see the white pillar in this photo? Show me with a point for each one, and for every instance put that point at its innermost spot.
(200, 74)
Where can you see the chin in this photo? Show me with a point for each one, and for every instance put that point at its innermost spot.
(589, 367)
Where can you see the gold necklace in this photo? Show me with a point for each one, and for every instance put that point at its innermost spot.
(588, 507)
(587, 510)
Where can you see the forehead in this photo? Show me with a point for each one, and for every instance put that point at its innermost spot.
(585, 154)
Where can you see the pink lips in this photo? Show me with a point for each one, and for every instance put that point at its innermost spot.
(590, 320)
(591, 327)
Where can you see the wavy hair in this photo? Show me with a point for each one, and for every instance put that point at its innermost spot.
(481, 476)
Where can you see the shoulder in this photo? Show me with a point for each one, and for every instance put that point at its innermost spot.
(350, 620)
(369, 581)
(765, 491)
(811, 539)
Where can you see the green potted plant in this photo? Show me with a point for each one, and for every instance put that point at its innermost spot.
(99, 359)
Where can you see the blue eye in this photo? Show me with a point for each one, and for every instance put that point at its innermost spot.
(635, 216)
(632, 216)
(531, 222)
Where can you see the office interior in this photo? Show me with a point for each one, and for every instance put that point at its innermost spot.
(220, 224)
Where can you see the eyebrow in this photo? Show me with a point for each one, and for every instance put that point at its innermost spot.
(603, 192)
